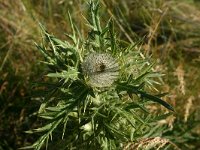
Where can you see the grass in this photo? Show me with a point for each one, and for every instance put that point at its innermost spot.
(170, 34)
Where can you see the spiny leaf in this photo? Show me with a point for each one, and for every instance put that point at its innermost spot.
(135, 90)
(70, 74)
(156, 99)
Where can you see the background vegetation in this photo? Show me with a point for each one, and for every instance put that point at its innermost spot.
(169, 31)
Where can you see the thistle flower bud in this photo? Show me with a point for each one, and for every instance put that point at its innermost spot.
(100, 69)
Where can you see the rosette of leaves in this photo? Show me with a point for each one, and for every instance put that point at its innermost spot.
(96, 95)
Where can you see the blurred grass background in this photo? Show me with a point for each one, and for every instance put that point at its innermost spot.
(170, 30)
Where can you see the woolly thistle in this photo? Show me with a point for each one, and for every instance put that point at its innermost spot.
(100, 69)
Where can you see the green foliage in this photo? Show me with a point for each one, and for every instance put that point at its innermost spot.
(88, 117)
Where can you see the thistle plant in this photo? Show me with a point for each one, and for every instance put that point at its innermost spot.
(97, 90)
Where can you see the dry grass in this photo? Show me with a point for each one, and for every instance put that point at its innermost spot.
(155, 143)
(188, 108)
(19, 31)
(180, 75)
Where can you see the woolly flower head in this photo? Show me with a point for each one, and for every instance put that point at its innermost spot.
(101, 69)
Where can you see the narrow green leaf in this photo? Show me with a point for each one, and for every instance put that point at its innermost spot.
(156, 99)
(70, 74)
